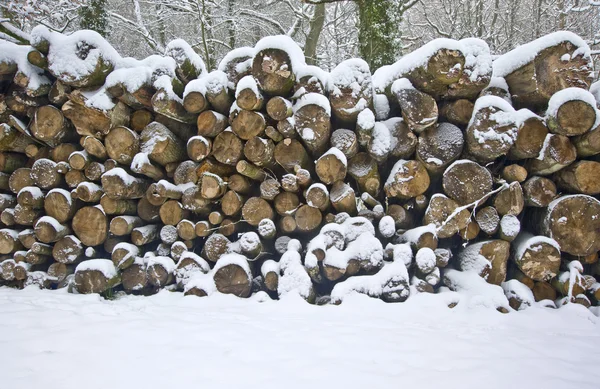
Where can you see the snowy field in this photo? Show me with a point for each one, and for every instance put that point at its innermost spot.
(51, 339)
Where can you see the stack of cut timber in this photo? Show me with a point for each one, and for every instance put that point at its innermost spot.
(443, 171)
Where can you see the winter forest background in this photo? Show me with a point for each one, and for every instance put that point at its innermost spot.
(331, 31)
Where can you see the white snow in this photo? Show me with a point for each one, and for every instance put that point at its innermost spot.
(35, 192)
(180, 50)
(294, 279)
(269, 266)
(570, 94)
(320, 75)
(387, 226)
(122, 174)
(520, 291)
(17, 54)
(167, 263)
(510, 225)
(361, 343)
(354, 75)
(381, 105)
(471, 259)
(401, 84)
(266, 227)
(381, 141)
(240, 52)
(425, 260)
(366, 119)
(105, 266)
(523, 54)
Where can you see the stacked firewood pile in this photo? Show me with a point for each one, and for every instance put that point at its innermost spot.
(445, 171)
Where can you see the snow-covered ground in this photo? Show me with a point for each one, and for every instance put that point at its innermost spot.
(51, 339)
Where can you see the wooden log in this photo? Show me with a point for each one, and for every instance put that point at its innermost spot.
(195, 101)
(488, 220)
(96, 276)
(510, 201)
(13, 140)
(168, 235)
(350, 90)
(212, 186)
(193, 201)
(120, 185)
(248, 124)
(514, 173)
(579, 177)
(161, 145)
(211, 124)
(145, 234)
(202, 228)
(419, 110)
(290, 153)
(308, 218)
(59, 93)
(50, 126)
(363, 168)
(332, 166)
(557, 153)
(58, 272)
(135, 277)
(272, 69)
(167, 103)
(488, 258)
(123, 225)
(186, 230)
(232, 203)
(251, 171)
(466, 182)
(122, 144)
(442, 211)
(343, 198)
(90, 225)
(457, 112)
(408, 179)
(269, 189)
(49, 230)
(19, 179)
(91, 121)
(31, 196)
(345, 141)
(537, 257)
(548, 72)
(172, 212)
(571, 112)
(573, 222)
(9, 241)
(45, 175)
(286, 203)
(260, 152)
(273, 134)
(88, 192)
(140, 119)
(68, 250)
(227, 148)
(94, 147)
(539, 191)
(118, 207)
(62, 152)
(7, 217)
(233, 275)
(531, 133)
(312, 119)
(215, 246)
(198, 148)
(239, 183)
(255, 210)
(439, 146)
(247, 95)
(141, 164)
(9, 162)
(317, 196)
(510, 226)
(79, 160)
(278, 108)
(26, 216)
(287, 128)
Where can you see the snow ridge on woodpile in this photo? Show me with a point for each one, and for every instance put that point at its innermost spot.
(444, 173)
